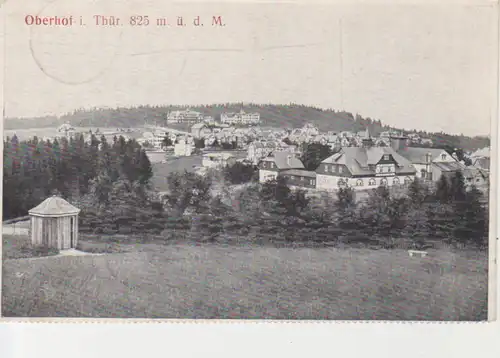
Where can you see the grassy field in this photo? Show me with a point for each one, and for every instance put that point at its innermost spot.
(215, 281)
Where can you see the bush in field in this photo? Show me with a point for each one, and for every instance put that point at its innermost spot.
(209, 224)
(187, 190)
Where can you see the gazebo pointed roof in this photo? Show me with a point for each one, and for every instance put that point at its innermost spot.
(54, 206)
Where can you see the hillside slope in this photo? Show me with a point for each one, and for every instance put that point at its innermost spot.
(277, 116)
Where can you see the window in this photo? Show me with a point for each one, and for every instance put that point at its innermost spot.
(383, 182)
(407, 180)
(272, 165)
(340, 169)
(395, 181)
(386, 157)
(443, 156)
(326, 168)
(293, 177)
(311, 182)
(359, 182)
(372, 182)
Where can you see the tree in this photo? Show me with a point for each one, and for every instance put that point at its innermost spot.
(443, 190)
(346, 207)
(188, 190)
(239, 173)
(167, 142)
(417, 192)
(382, 215)
(457, 186)
(145, 171)
(199, 143)
(314, 153)
(471, 224)
(210, 223)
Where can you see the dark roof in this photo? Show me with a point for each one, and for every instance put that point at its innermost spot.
(299, 172)
(358, 159)
(417, 155)
(285, 160)
(449, 166)
(54, 206)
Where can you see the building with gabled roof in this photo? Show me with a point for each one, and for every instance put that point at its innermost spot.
(275, 163)
(431, 163)
(364, 168)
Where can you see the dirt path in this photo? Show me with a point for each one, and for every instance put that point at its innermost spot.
(14, 229)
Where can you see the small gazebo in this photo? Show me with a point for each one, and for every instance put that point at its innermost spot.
(54, 224)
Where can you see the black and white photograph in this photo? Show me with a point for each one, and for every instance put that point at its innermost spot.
(249, 161)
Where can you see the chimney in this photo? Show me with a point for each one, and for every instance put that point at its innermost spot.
(289, 160)
(398, 143)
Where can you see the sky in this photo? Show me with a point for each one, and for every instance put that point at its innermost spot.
(425, 66)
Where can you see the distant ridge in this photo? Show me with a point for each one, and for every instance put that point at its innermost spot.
(272, 115)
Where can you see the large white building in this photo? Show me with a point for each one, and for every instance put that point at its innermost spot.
(240, 118)
(363, 168)
(187, 116)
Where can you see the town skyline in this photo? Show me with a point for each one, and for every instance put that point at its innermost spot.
(245, 103)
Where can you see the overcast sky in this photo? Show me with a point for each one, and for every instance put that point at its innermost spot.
(428, 67)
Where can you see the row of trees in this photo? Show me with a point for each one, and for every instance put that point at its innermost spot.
(273, 211)
(447, 212)
(73, 168)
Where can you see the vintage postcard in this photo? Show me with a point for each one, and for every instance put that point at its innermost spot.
(249, 160)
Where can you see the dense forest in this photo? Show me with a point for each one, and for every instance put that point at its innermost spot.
(294, 115)
(74, 169)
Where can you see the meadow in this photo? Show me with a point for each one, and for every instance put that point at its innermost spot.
(187, 280)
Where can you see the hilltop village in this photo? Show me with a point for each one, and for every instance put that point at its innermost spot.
(359, 160)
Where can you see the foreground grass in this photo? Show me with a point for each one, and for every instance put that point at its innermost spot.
(215, 281)
(19, 246)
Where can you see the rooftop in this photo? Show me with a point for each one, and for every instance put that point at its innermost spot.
(418, 155)
(358, 159)
(54, 206)
(285, 160)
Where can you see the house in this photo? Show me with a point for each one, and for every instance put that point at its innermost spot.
(240, 118)
(218, 160)
(299, 178)
(183, 148)
(277, 162)
(363, 168)
(477, 177)
(158, 138)
(200, 130)
(430, 163)
(481, 158)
